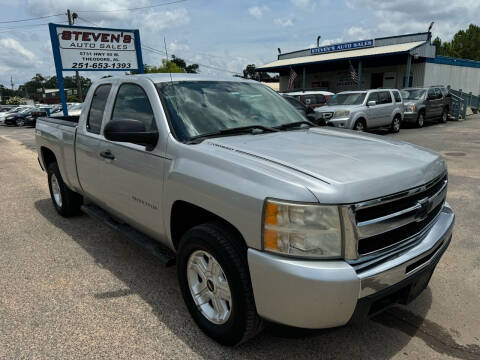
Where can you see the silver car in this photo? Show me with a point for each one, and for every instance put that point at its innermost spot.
(362, 110)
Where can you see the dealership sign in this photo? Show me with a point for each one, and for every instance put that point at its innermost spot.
(81, 48)
(343, 47)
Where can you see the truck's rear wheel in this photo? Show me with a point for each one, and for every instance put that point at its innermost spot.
(66, 202)
(420, 119)
(215, 282)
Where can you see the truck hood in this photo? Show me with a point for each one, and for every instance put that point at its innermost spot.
(353, 166)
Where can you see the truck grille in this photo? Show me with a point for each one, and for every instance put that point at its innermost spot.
(395, 219)
(327, 115)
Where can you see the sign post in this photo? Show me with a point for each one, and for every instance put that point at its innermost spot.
(81, 48)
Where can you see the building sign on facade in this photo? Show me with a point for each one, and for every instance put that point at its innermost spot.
(343, 47)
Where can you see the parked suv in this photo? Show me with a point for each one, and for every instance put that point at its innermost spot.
(314, 99)
(426, 103)
(362, 110)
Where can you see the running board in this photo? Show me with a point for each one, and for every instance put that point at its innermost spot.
(163, 254)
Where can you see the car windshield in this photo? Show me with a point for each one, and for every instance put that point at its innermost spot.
(198, 108)
(347, 99)
(75, 107)
(413, 94)
(24, 111)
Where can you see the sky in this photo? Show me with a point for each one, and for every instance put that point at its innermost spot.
(224, 35)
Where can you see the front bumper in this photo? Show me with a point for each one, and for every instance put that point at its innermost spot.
(345, 123)
(410, 116)
(322, 294)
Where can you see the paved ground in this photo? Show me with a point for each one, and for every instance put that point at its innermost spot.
(76, 289)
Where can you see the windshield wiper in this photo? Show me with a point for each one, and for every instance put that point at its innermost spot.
(233, 131)
(294, 125)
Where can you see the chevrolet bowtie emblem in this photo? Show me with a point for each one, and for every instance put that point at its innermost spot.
(424, 209)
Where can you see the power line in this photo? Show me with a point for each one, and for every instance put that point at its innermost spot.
(30, 19)
(160, 52)
(131, 9)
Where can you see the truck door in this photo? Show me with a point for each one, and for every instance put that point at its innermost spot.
(132, 176)
(87, 143)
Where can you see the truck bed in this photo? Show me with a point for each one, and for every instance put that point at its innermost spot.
(62, 120)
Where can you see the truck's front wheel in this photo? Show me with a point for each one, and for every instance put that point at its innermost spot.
(66, 202)
(215, 282)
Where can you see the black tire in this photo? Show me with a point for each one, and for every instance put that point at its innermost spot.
(229, 250)
(444, 116)
(420, 119)
(19, 122)
(360, 125)
(396, 124)
(70, 201)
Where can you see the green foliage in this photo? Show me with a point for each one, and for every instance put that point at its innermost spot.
(15, 100)
(465, 44)
(192, 69)
(250, 72)
(38, 82)
(166, 67)
(73, 98)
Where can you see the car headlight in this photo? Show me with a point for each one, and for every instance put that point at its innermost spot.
(341, 113)
(10, 118)
(410, 107)
(304, 230)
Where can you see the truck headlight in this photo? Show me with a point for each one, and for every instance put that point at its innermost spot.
(341, 113)
(410, 107)
(305, 230)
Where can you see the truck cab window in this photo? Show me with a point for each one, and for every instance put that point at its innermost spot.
(133, 103)
(95, 115)
(385, 97)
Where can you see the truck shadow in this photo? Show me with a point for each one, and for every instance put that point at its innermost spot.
(142, 275)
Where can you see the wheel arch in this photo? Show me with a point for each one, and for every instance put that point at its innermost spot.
(185, 215)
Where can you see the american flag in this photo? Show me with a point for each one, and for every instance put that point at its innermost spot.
(353, 74)
(291, 79)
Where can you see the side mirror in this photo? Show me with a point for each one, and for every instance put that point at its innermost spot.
(130, 130)
(371, 103)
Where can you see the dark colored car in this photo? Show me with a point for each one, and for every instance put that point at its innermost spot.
(305, 110)
(427, 103)
(24, 117)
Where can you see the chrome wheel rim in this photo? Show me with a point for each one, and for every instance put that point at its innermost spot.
(209, 287)
(359, 126)
(420, 120)
(20, 122)
(57, 195)
(396, 125)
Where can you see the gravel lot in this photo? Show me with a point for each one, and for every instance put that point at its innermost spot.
(76, 289)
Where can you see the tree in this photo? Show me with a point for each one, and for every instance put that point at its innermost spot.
(465, 44)
(69, 82)
(250, 72)
(15, 100)
(166, 67)
(192, 68)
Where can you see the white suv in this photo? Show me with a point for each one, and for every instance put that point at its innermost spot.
(362, 110)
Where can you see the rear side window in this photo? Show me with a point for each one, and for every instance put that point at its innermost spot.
(97, 108)
(438, 93)
(431, 93)
(385, 97)
(397, 96)
(133, 103)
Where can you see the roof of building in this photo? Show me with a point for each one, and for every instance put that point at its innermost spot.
(350, 54)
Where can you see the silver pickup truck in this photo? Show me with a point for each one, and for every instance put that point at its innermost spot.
(266, 216)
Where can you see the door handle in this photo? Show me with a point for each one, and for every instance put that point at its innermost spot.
(107, 154)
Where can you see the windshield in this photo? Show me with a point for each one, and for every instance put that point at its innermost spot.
(414, 94)
(75, 107)
(24, 111)
(347, 99)
(202, 107)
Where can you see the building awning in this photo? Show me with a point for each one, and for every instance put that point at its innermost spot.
(342, 55)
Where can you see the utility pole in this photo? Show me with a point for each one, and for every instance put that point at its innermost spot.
(71, 20)
(11, 81)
